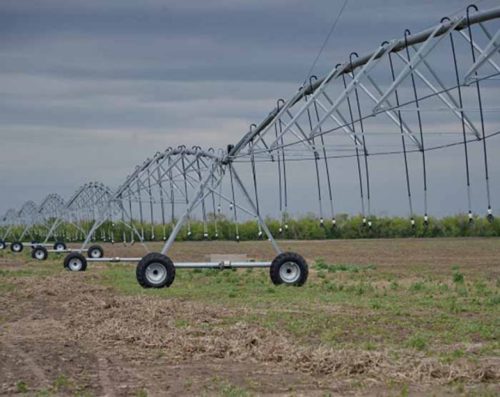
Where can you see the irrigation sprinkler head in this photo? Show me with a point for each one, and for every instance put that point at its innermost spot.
(351, 55)
(311, 78)
(489, 215)
(471, 7)
(279, 102)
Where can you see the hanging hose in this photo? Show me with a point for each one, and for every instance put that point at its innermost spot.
(151, 206)
(280, 188)
(480, 102)
(185, 188)
(203, 207)
(216, 215)
(254, 176)
(124, 237)
(219, 203)
(316, 160)
(111, 231)
(162, 203)
(284, 214)
(216, 230)
(172, 198)
(365, 153)
(232, 205)
(403, 143)
(131, 217)
(360, 177)
(327, 168)
(466, 151)
(141, 217)
(219, 200)
(420, 128)
(112, 235)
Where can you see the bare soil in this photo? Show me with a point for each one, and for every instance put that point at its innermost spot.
(66, 334)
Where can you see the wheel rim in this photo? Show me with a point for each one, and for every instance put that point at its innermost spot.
(95, 253)
(289, 272)
(39, 254)
(156, 273)
(75, 264)
(59, 247)
(16, 247)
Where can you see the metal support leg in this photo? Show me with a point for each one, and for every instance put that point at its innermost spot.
(252, 205)
(185, 216)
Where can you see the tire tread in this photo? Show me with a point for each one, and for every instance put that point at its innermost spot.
(140, 271)
(288, 257)
(72, 255)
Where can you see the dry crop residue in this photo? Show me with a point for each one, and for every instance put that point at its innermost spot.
(68, 334)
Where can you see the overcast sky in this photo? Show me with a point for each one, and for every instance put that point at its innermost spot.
(90, 88)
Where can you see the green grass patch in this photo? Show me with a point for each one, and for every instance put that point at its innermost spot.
(349, 312)
(321, 265)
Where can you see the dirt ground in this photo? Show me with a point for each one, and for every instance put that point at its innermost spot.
(67, 333)
(440, 252)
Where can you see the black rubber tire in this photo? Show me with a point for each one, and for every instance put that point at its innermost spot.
(71, 260)
(2, 245)
(284, 258)
(158, 259)
(16, 247)
(39, 253)
(95, 248)
(59, 246)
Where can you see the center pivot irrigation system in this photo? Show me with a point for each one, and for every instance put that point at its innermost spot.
(409, 97)
(33, 221)
(91, 201)
(57, 220)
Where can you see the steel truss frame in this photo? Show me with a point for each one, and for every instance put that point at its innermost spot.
(7, 223)
(394, 83)
(46, 214)
(339, 104)
(180, 176)
(87, 204)
(26, 218)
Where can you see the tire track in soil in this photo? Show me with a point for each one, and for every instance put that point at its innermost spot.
(107, 386)
(118, 376)
(31, 365)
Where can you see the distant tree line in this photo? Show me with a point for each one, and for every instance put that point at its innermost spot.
(307, 227)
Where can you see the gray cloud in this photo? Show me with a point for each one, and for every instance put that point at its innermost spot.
(90, 88)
